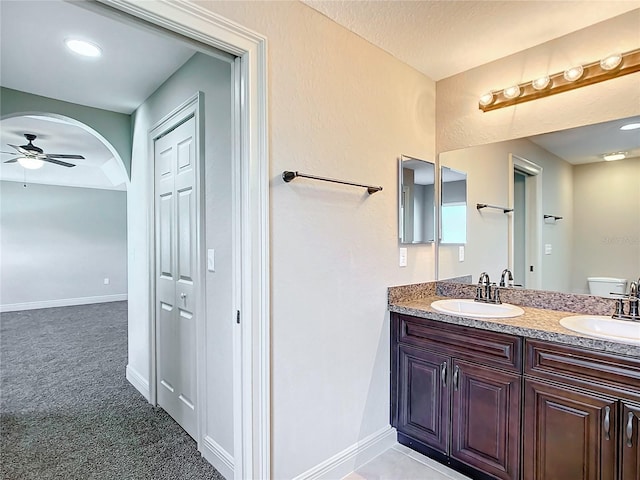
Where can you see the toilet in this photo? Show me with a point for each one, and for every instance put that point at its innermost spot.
(605, 286)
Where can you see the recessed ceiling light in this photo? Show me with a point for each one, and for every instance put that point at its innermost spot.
(614, 156)
(630, 126)
(82, 47)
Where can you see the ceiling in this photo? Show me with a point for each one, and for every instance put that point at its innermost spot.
(439, 38)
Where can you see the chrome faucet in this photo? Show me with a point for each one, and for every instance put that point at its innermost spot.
(506, 273)
(483, 290)
(633, 313)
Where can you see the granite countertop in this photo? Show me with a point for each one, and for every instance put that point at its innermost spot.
(535, 323)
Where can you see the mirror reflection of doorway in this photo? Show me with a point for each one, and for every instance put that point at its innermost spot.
(519, 227)
(525, 259)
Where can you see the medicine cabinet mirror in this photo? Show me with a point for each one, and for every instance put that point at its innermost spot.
(453, 206)
(416, 215)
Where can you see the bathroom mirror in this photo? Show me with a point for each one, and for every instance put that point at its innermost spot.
(585, 210)
(453, 206)
(416, 213)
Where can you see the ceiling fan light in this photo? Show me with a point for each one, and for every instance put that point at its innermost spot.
(30, 163)
(574, 73)
(84, 48)
(611, 62)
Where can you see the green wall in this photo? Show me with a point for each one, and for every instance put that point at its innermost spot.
(114, 127)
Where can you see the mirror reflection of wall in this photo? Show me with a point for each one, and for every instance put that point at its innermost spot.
(599, 202)
(416, 217)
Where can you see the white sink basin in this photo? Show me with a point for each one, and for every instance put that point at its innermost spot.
(469, 308)
(604, 327)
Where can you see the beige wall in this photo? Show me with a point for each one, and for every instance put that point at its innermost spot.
(462, 124)
(607, 219)
(338, 107)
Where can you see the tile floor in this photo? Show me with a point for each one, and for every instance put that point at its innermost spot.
(402, 463)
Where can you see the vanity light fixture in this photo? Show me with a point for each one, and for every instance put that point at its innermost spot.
(30, 163)
(487, 99)
(611, 62)
(611, 66)
(610, 157)
(541, 83)
(630, 126)
(512, 92)
(82, 47)
(574, 73)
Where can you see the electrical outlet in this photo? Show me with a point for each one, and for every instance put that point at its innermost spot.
(547, 249)
(106, 281)
(403, 257)
(461, 253)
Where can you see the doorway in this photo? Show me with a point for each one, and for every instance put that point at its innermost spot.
(525, 223)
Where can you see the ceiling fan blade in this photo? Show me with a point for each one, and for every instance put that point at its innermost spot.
(58, 162)
(20, 149)
(13, 160)
(62, 155)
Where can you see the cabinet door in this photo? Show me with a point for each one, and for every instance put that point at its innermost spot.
(423, 403)
(630, 442)
(568, 434)
(486, 419)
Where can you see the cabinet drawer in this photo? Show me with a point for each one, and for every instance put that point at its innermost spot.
(594, 370)
(488, 348)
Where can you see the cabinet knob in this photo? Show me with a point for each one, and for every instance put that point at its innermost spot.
(629, 430)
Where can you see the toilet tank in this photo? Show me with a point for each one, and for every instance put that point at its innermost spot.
(604, 286)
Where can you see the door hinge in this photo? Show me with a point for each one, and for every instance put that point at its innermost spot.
(237, 316)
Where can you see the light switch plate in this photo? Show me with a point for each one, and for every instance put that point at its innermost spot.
(106, 281)
(547, 249)
(403, 257)
(461, 253)
(211, 260)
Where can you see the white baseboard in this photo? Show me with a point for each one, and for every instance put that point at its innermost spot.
(63, 302)
(217, 456)
(353, 457)
(138, 381)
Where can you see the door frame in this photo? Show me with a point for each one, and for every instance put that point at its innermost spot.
(252, 349)
(533, 219)
(191, 108)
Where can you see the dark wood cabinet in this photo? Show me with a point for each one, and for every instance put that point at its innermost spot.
(485, 421)
(581, 414)
(493, 405)
(424, 406)
(630, 441)
(451, 408)
(568, 433)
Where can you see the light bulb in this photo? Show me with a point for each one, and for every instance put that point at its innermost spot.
(84, 48)
(574, 73)
(614, 156)
(541, 83)
(610, 62)
(511, 92)
(486, 99)
(30, 163)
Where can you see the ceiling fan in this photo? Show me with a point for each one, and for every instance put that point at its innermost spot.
(33, 157)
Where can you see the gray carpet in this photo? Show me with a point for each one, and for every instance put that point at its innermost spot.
(67, 411)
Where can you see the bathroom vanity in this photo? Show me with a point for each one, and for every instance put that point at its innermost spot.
(513, 398)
